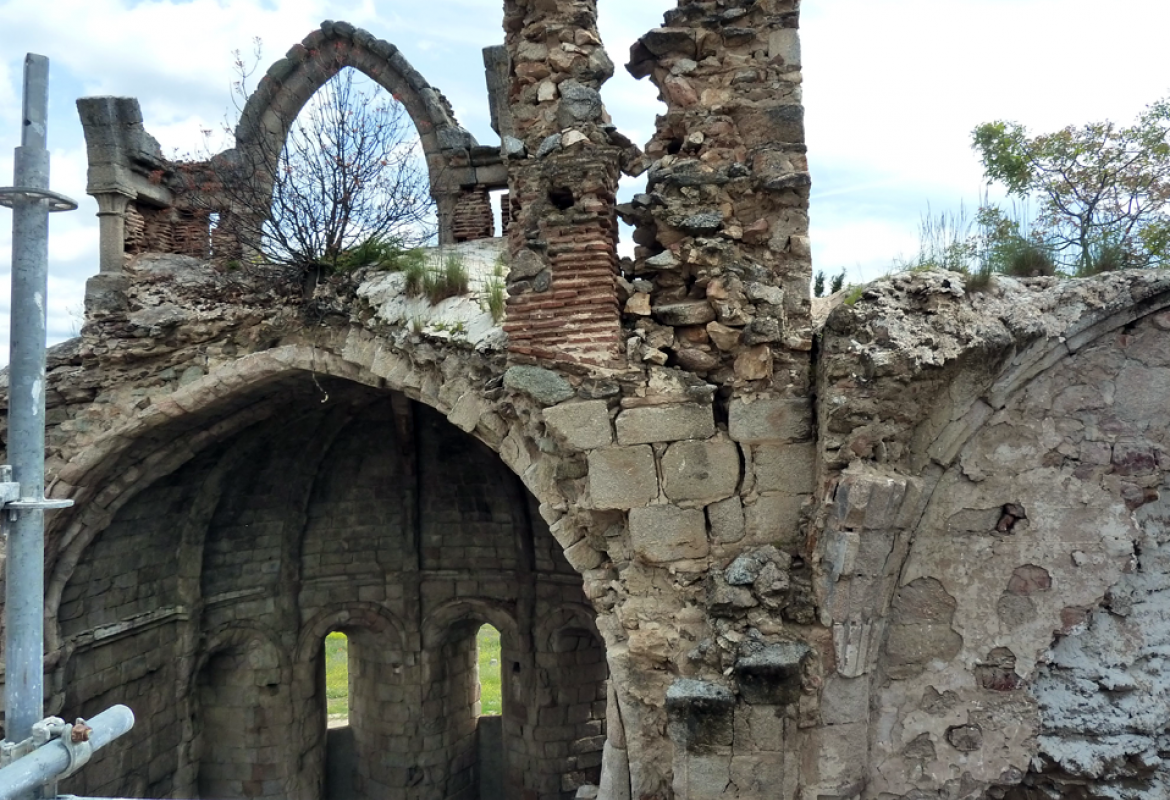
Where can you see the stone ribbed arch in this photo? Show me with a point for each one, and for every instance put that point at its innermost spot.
(1036, 358)
(240, 636)
(291, 81)
(438, 624)
(569, 615)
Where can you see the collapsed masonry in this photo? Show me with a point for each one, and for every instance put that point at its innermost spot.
(922, 560)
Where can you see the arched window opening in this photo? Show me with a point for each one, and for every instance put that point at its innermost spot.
(340, 745)
(491, 700)
(350, 181)
(337, 679)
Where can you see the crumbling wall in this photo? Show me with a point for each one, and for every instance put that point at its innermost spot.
(994, 453)
(907, 580)
(150, 204)
(722, 266)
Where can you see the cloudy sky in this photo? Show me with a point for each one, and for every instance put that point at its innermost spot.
(892, 91)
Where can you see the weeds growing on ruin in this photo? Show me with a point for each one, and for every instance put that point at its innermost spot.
(436, 284)
(496, 294)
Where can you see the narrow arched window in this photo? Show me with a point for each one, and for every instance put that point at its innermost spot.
(491, 702)
(337, 679)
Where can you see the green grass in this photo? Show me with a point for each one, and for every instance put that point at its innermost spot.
(490, 697)
(337, 675)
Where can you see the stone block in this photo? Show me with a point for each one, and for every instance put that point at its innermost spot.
(773, 519)
(665, 423)
(582, 556)
(700, 470)
(845, 700)
(542, 385)
(584, 426)
(758, 775)
(622, 477)
(701, 714)
(702, 775)
(789, 468)
(660, 534)
(869, 502)
(773, 675)
(759, 728)
(694, 312)
(842, 760)
(727, 520)
(784, 44)
(770, 421)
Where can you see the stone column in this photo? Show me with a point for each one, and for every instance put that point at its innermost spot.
(112, 227)
(723, 226)
(105, 293)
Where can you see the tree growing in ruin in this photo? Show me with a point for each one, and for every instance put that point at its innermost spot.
(348, 186)
(1102, 188)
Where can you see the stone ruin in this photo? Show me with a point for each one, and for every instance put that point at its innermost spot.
(736, 547)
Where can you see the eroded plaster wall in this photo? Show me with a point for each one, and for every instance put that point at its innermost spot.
(976, 541)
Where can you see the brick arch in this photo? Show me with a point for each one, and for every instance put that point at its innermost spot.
(289, 83)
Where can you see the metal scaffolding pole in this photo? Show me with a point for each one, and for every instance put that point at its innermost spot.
(24, 601)
(23, 514)
(35, 752)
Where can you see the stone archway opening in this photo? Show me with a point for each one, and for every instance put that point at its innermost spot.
(335, 507)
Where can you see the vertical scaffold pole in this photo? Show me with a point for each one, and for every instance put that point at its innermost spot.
(25, 588)
(23, 517)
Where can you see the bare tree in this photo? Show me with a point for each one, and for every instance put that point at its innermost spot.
(347, 183)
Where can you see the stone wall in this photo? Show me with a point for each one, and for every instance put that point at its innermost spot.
(865, 600)
(918, 559)
(993, 478)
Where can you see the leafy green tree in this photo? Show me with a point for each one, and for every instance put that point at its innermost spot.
(1102, 189)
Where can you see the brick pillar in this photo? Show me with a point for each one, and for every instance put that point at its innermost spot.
(563, 304)
(473, 218)
(563, 301)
